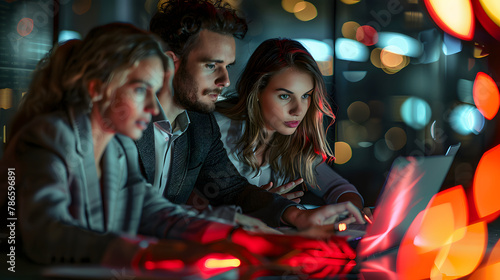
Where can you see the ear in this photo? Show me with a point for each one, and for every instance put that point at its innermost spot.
(94, 88)
(175, 58)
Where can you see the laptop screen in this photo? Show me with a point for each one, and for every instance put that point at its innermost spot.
(409, 187)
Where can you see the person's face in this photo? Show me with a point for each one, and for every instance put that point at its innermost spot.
(285, 100)
(133, 101)
(202, 75)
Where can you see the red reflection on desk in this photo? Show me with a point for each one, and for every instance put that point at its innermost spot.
(171, 265)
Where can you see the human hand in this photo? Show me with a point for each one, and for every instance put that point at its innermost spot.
(324, 215)
(253, 224)
(284, 190)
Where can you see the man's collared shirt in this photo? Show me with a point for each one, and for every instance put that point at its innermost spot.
(164, 138)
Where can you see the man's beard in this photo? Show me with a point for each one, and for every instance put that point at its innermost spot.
(185, 89)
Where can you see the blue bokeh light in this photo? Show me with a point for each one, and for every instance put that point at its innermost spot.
(466, 119)
(347, 49)
(416, 112)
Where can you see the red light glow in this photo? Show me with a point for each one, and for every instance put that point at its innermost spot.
(455, 17)
(367, 35)
(172, 265)
(485, 186)
(486, 95)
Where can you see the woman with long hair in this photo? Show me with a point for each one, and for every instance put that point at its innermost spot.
(71, 163)
(273, 130)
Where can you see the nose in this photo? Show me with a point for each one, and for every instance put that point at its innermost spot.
(297, 108)
(151, 105)
(222, 80)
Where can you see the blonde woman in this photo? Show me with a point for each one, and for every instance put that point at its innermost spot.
(273, 131)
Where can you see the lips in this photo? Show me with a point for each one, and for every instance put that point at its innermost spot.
(143, 124)
(213, 96)
(292, 124)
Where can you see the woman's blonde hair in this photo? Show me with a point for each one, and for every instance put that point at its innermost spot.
(61, 79)
(290, 156)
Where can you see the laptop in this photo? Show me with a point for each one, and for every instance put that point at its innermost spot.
(410, 185)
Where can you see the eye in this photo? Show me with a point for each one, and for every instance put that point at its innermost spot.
(306, 96)
(141, 90)
(284, 96)
(229, 66)
(210, 66)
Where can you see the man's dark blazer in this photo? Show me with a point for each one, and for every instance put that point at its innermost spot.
(200, 164)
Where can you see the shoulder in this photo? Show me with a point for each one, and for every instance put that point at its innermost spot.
(52, 129)
(202, 122)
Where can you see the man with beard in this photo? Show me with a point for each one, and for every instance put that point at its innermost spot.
(181, 154)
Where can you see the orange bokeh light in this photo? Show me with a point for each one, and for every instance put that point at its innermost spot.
(485, 186)
(439, 243)
(486, 95)
(455, 17)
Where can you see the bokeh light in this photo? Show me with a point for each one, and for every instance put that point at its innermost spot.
(480, 51)
(80, 7)
(488, 14)
(66, 35)
(5, 98)
(305, 11)
(358, 112)
(25, 27)
(343, 152)
(347, 49)
(319, 50)
(350, 2)
(395, 138)
(288, 5)
(432, 44)
(349, 29)
(453, 16)
(486, 191)
(375, 57)
(352, 132)
(451, 45)
(416, 112)
(466, 119)
(400, 44)
(326, 67)
(440, 244)
(491, 269)
(486, 95)
(392, 62)
(354, 76)
(391, 59)
(367, 35)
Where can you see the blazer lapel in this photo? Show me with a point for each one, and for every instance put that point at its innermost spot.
(178, 170)
(92, 190)
(112, 179)
(146, 147)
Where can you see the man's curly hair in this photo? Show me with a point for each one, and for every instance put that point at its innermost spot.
(178, 22)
